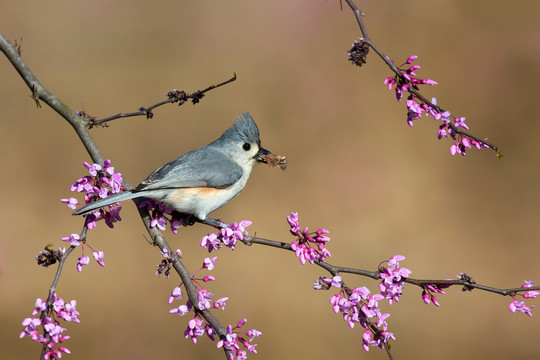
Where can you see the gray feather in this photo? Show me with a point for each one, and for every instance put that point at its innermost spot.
(126, 195)
(244, 129)
(192, 170)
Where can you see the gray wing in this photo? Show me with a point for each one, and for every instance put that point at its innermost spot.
(203, 167)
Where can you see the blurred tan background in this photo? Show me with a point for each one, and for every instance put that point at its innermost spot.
(355, 167)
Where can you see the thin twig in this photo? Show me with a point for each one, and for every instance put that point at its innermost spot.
(358, 14)
(147, 111)
(336, 270)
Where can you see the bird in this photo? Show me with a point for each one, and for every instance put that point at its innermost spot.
(201, 180)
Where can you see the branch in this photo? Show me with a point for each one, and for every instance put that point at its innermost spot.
(411, 87)
(184, 273)
(80, 124)
(174, 96)
(335, 270)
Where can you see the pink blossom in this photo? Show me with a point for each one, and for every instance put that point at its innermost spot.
(30, 329)
(102, 182)
(220, 303)
(302, 246)
(411, 58)
(181, 310)
(253, 334)
(230, 342)
(195, 329)
(521, 307)
(392, 285)
(98, 255)
(74, 239)
(70, 312)
(160, 221)
(82, 261)
(241, 323)
(336, 281)
(40, 306)
(209, 263)
(211, 242)
(460, 122)
(176, 294)
(71, 202)
(227, 235)
(92, 169)
(529, 294)
(204, 297)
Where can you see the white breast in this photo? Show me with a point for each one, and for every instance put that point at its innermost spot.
(202, 201)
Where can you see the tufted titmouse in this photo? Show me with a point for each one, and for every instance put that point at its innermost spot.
(204, 179)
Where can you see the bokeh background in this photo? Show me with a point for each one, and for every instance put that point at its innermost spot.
(355, 168)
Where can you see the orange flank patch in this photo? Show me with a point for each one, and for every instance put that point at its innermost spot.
(187, 195)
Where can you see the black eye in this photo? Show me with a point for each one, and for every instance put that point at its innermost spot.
(246, 146)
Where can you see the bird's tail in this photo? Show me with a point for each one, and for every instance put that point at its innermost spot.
(126, 195)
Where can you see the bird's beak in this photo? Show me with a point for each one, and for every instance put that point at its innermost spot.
(260, 155)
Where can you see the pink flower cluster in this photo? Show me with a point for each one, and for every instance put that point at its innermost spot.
(101, 182)
(158, 212)
(227, 236)
(417, 106)
(305, 240)
(391, 286)
(359, 306)
(429, 291)
(204, 301)
(198, 327)
(234, 338)
(520, 306)
(83, 260)
(48, 318)
(204, 297)
(409, 79)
